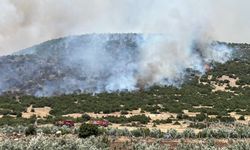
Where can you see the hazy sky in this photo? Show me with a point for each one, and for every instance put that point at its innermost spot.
(24, 23)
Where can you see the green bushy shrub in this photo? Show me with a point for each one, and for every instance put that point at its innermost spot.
(86, 117)
(31, 130)
(188, 133)
(242, 118)
(87, 130)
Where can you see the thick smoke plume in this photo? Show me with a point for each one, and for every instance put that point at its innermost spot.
(105, 62)
(24, 23)
(175, 35)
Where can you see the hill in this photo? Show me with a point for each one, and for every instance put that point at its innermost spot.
(67, 65)
(97, 63)
(222, 92)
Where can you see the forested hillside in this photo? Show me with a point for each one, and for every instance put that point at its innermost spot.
(223, 89)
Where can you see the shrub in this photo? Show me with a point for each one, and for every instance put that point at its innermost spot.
(141, 132)
(145, 132)
(242, 118)
(177, 123)
(86, 117)
(87, 130)
(188, 133)
(201, 117)
(137, 133)
(123, 112)
(179, 116)
(162, 121)
(198, 125)
(65, 130)
(140, 118)
(227, 119)
(182, 116)
(31, 130)
(206, 133)
(156, 133)
(115, 119)
(19, 115)
(46, 130)
(143, 119)
(173, 133)
(243, 132)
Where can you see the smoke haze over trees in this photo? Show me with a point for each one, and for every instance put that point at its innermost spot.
(105, 62)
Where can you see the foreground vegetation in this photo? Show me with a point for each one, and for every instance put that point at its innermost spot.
(48, 138)
(41, 142)
(52, 143)
(238, 132)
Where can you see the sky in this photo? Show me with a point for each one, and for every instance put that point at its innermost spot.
(24, 23)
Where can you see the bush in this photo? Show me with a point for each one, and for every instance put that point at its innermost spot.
(31, 130)
(198, 125)
(156, 133)
(123, 112)
(201, 117)
(173, 133)
(242, 118)
(143, 119)
(140, 118)
(177, 123)
(141, 132)
(46, 130)
(65, 130)
(87, 130)
(162, 121)
(188, 133)
(86, 117)
(137, 133)
(182, 116)
(227, 119)
(19, 115)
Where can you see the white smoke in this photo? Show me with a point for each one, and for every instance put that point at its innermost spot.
(24, 23)
(105, 62)
(176, 35)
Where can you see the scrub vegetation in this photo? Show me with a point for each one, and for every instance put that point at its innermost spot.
(220, 96)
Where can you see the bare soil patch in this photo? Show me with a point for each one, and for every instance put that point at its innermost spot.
(38, 112)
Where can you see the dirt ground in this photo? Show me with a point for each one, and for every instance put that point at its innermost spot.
(162, 116)
(232, 83)
(38, 112)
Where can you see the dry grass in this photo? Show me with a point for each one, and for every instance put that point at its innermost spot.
(232, 83)
(38, 112)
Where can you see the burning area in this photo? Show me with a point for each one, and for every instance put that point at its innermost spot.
(97, 63)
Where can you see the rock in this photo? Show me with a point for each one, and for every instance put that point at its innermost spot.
(58, 133)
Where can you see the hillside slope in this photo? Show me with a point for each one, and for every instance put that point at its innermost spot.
(97, 63)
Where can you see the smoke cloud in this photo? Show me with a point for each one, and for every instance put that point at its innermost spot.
(24, 23)
(105, 63)
(175, 35)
